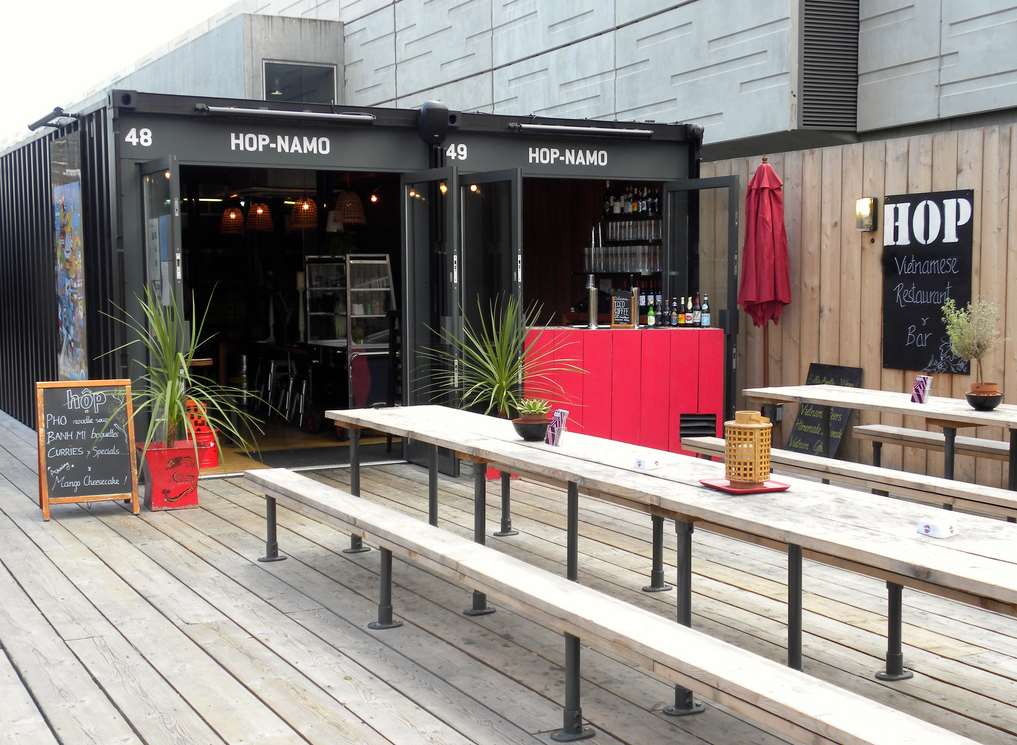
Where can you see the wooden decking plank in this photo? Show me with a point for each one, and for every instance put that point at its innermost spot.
(437, 604)
(21, 722)
(859, 680)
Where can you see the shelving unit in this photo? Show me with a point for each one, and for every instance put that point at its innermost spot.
(326, 297)
(370, 297)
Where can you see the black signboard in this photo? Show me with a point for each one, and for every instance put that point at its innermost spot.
(86, 442)
(808, 433)
(621, 309)
(926, 261)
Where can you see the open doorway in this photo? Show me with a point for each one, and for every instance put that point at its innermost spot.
(300, 271)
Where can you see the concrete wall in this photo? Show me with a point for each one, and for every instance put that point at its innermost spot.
(282, 39)
(922, 60)
(724, 63)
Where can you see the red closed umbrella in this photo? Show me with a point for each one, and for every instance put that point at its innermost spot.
(765, 288)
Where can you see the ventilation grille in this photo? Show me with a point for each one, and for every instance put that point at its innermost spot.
(830, 64)
(697, 425)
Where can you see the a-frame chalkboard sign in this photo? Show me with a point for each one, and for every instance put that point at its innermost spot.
(86, 442)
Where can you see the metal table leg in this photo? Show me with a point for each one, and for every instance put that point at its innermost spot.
(657, 583)
(572, 533)
(385, 596)
(949, 450)
(271, 544)
(572, 716)
(877, 453)
(684, 702)
(794, 606)
(432, 485)
(895, 669)
(1012, 476)
(480, 606)
(356, 542)
(505, 529)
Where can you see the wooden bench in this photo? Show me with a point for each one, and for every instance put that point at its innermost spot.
(919, 438)
(774, 697)
(933, 490)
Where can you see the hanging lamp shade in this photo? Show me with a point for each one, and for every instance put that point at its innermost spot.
(305, 214)
(232, 222)
(259, 218)
(350, 208)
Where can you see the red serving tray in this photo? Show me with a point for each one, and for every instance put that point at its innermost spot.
(724, 485)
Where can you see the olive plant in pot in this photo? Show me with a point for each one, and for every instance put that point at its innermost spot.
(973, 331)
(484, 369)
(168, 392)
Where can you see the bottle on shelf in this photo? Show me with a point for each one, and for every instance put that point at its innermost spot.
(697, 312)
(688, 311)
(705, 315)
(681, 312)
(674, 311)
(651, 316)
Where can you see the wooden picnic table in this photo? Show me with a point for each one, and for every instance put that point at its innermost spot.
(867, 533)
(948, 413)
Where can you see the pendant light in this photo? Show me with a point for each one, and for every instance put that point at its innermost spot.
(232, 222)
(350, 208)
(259, 218)
(305, 214)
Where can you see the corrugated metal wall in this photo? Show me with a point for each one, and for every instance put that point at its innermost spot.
(28, 323)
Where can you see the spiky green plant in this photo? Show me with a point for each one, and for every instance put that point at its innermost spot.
(972, 330)
(167, 384)
(534, 407)
(494, 359)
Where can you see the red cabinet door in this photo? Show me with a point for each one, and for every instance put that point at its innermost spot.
(626, 381)
(683, 392)
(655, 388)
(595, 414)
(711, 375)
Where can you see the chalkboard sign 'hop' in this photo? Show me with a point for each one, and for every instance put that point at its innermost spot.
(926, 261)
(86, 443)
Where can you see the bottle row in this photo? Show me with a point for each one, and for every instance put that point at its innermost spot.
(685, 313)
(632, 201)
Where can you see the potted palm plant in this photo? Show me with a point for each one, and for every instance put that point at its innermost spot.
(486, 366)
(972, 332)
(168, 392)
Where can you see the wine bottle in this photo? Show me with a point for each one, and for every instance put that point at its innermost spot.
(651, 316)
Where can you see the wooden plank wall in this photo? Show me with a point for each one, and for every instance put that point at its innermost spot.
(836, 275)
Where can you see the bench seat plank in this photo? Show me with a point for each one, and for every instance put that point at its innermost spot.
(920, 438)
(755, 686)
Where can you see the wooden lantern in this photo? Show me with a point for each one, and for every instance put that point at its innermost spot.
(259, 218)
(350, 208)
(747, 449)
(304, 215)
(232, 222)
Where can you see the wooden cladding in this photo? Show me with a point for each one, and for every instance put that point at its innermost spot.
(835, 315)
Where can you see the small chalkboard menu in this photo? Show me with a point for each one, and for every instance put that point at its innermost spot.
(926, 261)
(86, 442)
(808, 433)
(622, 310)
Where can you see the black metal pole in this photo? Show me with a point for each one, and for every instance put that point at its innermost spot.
(684, 702)
(657, 583)
(356, 542)
(895, 669)
(827, 433)
(794, 606)
(572, 532)
(877, 453)
(479, 607)
(949, 450)
(1012, 477)
(506, 507)
(271, 543)
(385, 595)
(432, 485)
(572, 716)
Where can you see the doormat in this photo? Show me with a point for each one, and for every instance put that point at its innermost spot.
(327, 456)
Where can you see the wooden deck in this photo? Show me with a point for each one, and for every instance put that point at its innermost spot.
(164, 629)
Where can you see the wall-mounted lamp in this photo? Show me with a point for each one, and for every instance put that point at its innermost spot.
(865, 214)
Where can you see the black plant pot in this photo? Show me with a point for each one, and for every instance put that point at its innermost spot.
(984, 401)
(531, 429)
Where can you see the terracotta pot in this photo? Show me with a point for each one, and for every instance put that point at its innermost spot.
(531, 428)
(171, 476)
(985, 389)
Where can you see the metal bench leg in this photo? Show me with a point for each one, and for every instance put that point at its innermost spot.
(949, 449)
(432, 485)
(479, 607)
(271, 544)
(572, 717)
(895, 669)
(385, 596)
(356, 542)
(572, 533)
(827, 431)
(1012, 476)
(506, 507)
(684, 703)
(794, 606)
(657, 583)
(877, 453)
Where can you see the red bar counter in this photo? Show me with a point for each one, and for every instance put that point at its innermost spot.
(638, 383)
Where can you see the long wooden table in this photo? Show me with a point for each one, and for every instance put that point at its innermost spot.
(948, 413)
(870, 534)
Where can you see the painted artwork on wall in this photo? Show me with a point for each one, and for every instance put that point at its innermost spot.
(68, 241)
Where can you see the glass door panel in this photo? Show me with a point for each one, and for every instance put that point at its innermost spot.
(160, 182)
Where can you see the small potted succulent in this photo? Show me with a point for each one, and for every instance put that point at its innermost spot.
(531, 424)
(973, 331)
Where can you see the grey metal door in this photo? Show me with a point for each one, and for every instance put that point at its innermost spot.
(432, 296)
